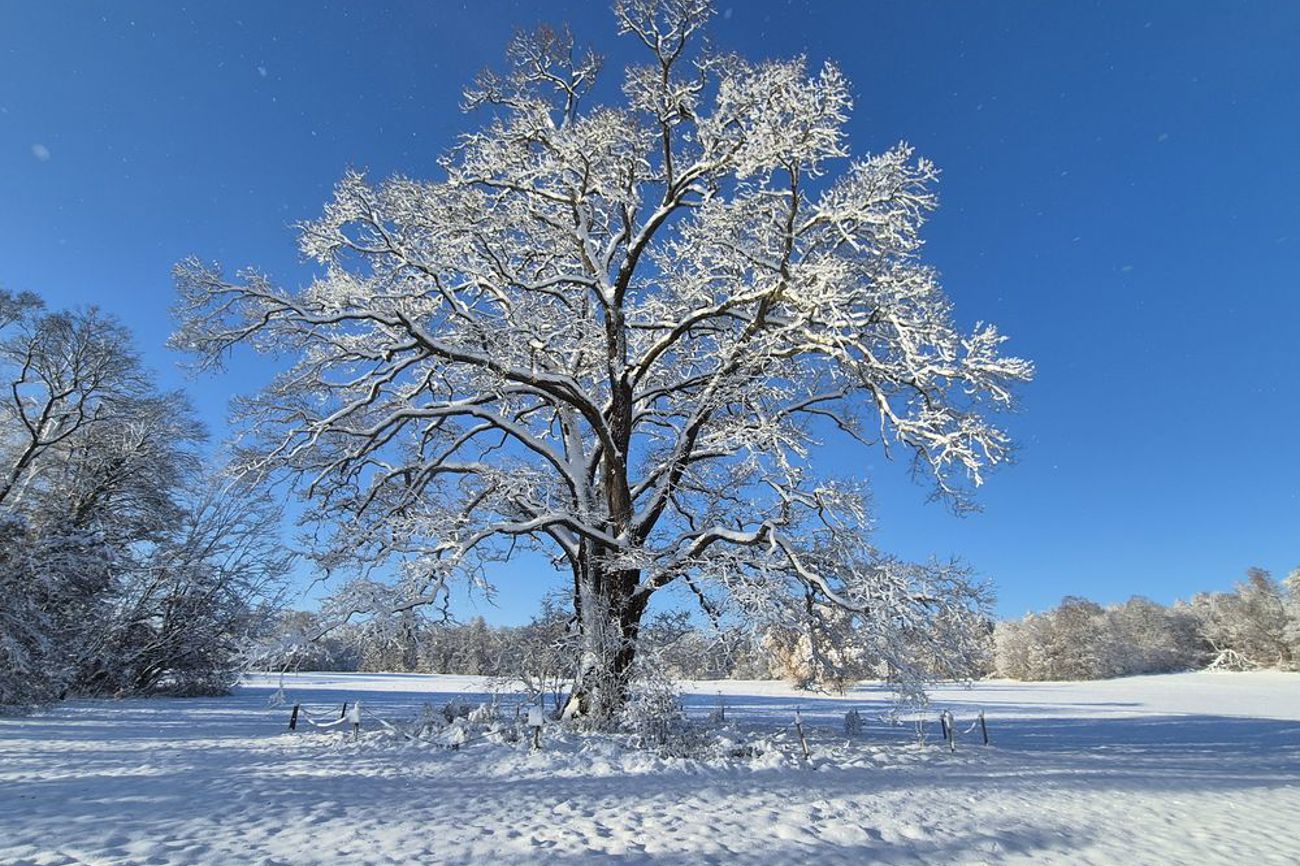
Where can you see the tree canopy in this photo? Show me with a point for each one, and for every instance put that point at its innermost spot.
(620, 334)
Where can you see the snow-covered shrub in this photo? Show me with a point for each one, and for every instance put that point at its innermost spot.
(456, 708)
(457, 733)
(654, 716)
(42, 591)
(484, 714)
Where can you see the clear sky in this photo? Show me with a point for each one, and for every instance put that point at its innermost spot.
(1121, 194)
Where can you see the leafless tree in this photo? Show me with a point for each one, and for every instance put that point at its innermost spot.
(619, 334)
(114, 548)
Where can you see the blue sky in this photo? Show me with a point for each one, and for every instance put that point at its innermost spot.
(1121, 194)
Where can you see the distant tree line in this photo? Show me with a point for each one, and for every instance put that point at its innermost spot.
(675, 646)
(125, 567)
(535, 652)
(1255, 625)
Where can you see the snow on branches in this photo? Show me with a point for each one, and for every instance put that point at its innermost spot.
(619, 334)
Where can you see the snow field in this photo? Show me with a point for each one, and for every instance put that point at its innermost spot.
(1188, 768)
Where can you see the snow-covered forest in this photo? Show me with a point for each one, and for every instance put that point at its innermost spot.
(1255, 625)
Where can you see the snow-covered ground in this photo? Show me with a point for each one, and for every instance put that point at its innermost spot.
(1181, 769)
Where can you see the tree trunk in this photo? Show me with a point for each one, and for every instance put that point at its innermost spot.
(607, 603)
(609, 625)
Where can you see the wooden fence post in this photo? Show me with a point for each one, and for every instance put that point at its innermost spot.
(984, 728)
(293, 719)
(355, 718)
(803, 741)
(535, 722)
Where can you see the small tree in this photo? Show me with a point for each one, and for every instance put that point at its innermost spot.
(617, 334)
(120, 569)
(545, 649)
(75, 496)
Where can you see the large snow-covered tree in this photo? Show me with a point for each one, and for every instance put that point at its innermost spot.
(619, 334)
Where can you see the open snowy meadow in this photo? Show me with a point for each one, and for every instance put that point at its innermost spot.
(1197, 768)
